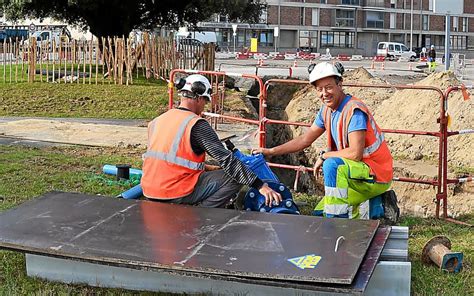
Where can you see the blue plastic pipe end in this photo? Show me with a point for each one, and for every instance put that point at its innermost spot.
(112, 170)
(133, 193)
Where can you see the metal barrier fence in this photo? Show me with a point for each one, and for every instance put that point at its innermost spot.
(440, 182)
(257, 66)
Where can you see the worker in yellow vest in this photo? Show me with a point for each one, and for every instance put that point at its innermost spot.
(174, 168)
(357, 164)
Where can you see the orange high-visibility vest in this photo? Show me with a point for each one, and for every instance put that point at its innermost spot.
(376, 153)
(170, 167)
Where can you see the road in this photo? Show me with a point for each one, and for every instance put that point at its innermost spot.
(282, 67)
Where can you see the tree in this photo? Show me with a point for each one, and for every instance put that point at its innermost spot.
(119, 17)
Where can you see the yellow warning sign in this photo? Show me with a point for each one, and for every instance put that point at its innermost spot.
(308, 261)
(253, 45)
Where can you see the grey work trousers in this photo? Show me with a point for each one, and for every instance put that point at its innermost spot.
(214, 189)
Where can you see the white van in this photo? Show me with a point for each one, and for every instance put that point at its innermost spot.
(203, 37)
(394, 50)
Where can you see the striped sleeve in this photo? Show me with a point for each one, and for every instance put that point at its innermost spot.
(205, 139)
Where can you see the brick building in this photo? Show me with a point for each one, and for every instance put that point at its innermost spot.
(348, 26)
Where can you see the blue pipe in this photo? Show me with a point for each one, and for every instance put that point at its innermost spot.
(112, 170)
(133, 193)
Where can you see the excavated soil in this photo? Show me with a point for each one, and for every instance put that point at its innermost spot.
(411, 109)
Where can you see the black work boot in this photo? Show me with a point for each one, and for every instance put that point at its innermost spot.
(392, 212)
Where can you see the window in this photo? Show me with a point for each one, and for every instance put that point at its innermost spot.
(390, 47)
(375, 19)
(393, 3)
(430, 5)
(426, 22)
(436, 40)
(308, 39)
(393, 20)
(459, 42)
(315, 17)
(455, 23)
(323, 2)
(404, 48)
(375, 3)
(344, 18)
(464, 24)
(337, 39)
(350, 2)
(398, 47)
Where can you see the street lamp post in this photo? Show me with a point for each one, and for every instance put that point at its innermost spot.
(234, 28)
(447, 59)
(411, 26)
(276, 32)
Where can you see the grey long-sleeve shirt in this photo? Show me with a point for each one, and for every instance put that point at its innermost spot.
(205, 139)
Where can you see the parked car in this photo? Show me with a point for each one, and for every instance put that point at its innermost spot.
(7, 34)
(394, 50)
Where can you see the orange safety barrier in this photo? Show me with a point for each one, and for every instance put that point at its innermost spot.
(343, 57)
(441, 181)
(379, 58)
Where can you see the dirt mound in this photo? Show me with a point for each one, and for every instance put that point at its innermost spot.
(360, 75)
(417, 109)
(372, 96)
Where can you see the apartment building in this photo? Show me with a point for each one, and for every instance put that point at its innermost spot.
(347, 26)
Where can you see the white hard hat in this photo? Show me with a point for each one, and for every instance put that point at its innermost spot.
(198, 85)
(432, 46)
(323, 70)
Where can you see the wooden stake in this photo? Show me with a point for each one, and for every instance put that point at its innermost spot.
(65, 61)
(10, 54)
(84, 57)
(97, 53)
(60, 54)
(47, 60)
(90, 62)
(54, 61)
(4, 60)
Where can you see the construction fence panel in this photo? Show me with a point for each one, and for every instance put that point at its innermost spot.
(105, 60)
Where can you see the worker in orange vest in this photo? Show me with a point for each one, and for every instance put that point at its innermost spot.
(174, 168)
(357, 164)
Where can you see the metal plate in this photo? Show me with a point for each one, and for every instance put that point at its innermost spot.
(143, 234)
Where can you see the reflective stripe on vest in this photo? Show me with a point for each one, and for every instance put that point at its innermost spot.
(171, 156)
(175, 160)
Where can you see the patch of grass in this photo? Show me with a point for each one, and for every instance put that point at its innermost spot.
(462, 170)
(429, 280)
(30, 172)
(145, 99)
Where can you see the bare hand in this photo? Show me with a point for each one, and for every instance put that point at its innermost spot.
(317, 168)
(264, 151)
(210, 167)
(271, 196)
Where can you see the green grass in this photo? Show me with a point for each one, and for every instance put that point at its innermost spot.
(30, 172)
(145, 99)
(429, 280)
